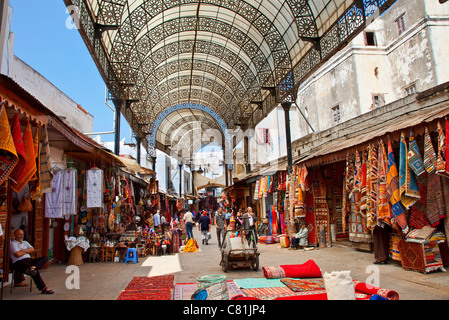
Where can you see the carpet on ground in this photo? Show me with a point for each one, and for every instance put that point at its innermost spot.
(308, 269)
(298, 285)
(149, 288)
(251, 283)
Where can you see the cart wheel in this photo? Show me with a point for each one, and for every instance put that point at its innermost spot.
(255, 263)
(224, 262)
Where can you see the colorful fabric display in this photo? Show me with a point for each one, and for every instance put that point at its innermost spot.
(383, 207)
(17, 136)
(29, 168)
(372, 176)
(8, 153)
(408, 187)
(414, 156)
(308, 269)
(372, 290)
(393, 191)
(435, 205)
(442, 151)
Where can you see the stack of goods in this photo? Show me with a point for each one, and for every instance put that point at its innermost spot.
(303, 282)
(420, 250)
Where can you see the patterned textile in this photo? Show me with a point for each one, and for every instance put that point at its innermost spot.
(94, 188)
(435, 199)
(298, 285)
(393, 191)
(430, 158)
(46, 171)
(273, 272)
(434, 205)
(17, 136)
(269, 293)
(384, 214)
(29, 168)
(423, 257)
(346, 190)
(303, 178)
(371, 212)
(442, 149)
(408, 187)
(149, 288)
(184, 291)
(256, 191)
(418, 218)
(69, 192)
(35, 182)
(363, 191)
(358, 232)
(394, 246)
(321, 210)
(414, 156)
(447, 146)
(54, 199)
(362, 287)
(358, 172)
(310, 219)
(8, 154)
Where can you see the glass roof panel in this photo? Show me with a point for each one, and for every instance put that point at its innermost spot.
(228, 49)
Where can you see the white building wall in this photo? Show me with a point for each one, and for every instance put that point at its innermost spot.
(50, 96)
(350, 79)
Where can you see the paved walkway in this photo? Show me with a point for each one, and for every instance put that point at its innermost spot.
(105, 281)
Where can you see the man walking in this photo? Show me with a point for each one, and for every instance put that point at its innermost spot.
(249, 225)
(220, 224)
(204, 227)
(188, 219)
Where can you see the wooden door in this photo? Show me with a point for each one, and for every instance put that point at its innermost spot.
(38, 229)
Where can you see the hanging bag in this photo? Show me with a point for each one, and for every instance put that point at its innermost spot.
(25, 204)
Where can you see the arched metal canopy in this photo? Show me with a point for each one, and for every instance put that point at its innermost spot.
(238, 58)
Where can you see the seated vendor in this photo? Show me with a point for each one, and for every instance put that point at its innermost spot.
(299, 240)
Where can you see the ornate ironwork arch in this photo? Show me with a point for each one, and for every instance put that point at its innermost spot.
(278, 44)
(220, 122)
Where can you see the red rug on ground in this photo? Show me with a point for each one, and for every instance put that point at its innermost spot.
(370, 290)
(306, 270)
(149, 288)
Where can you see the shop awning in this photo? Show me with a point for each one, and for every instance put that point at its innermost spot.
(131, 165)
(380, 124)
(273, 167)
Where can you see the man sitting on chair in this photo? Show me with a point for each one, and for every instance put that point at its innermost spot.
(300, 238)
(22, 262)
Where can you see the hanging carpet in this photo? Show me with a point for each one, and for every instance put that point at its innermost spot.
(8, 153)
(393, 191)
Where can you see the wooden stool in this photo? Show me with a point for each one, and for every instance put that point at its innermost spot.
(94, 254)
(107, 254)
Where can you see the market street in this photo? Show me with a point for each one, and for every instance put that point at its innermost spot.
(105, 281)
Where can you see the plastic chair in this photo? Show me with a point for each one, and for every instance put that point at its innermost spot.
(131, 255)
